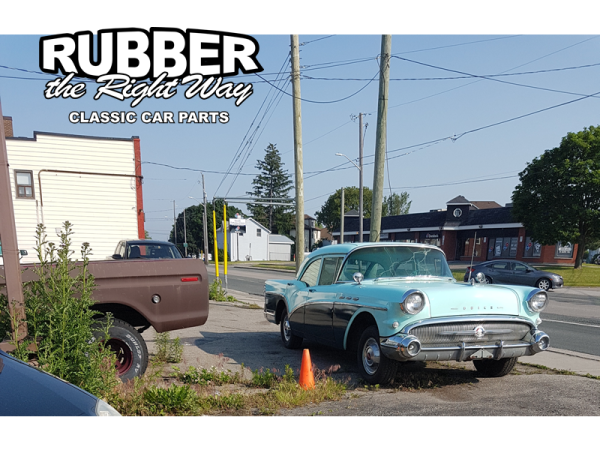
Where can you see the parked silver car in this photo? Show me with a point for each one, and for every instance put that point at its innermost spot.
(515, 272)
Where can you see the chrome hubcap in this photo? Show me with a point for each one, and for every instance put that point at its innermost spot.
(371, 356)
(544, 285)
(287, 331)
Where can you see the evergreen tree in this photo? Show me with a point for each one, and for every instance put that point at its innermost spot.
(272, 182)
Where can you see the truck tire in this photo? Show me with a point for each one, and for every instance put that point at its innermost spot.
(130, 348)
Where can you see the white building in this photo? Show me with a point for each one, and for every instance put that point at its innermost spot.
(248, 240)
(92, 182)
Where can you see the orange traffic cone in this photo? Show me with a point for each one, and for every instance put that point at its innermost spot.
(307, 378)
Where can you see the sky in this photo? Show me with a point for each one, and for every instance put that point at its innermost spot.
(446, 137)
(466, 113)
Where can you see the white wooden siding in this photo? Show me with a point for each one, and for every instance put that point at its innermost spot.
(101, 208)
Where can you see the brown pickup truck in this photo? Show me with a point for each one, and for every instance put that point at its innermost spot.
(166, 294)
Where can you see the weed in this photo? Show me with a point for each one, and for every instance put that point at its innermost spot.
(180, 400)
(265, 378)
(217, 293)
(204, 377)
(167, 350)
(60, 319)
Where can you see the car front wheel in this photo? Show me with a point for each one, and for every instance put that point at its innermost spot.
(290, 340)
(373, 366)
(544, 284)
(494, 367)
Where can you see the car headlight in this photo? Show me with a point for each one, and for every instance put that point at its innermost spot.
(413, 302)
(104, 409)
(538, 301)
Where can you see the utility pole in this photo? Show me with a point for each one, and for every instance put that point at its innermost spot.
(342, 218)
(360, 180)
(205, 226)
(10, 249)
(174, 225)
(380, 139)
(298, 151)
(184, 234)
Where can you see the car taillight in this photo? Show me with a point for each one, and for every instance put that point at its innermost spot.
(470, 269)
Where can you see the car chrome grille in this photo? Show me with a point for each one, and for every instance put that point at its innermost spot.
(481, 332)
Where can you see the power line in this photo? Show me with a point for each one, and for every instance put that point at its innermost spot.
(462, 77)
(323, 102)
(507, 70)
(191, 169)
(488, 78)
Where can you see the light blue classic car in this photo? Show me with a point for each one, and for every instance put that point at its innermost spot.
(392, 302)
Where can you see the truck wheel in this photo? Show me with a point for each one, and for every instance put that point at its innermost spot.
(494, 367)
(289, 339)
(129, 347)
(373, 366)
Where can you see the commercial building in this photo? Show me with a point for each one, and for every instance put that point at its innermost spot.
(466, 230)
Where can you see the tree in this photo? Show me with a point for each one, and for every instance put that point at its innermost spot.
(558, 198)
(272, 182)
(329, 214)
(396, 204)
(194, 225)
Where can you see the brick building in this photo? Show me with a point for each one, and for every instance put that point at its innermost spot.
(466, 229)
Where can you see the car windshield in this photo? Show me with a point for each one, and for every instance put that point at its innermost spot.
(395, 262)
(152, 251)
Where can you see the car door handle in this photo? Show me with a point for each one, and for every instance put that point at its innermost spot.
(312, 290)
(290, 284)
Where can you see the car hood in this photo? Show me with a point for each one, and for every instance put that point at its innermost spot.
(450, 299)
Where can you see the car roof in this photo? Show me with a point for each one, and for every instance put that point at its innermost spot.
(346, 248)
(147, 242)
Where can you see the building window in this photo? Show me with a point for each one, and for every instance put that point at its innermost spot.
(24, 183)
(258, 231)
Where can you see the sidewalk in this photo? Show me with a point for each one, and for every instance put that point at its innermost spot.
(553, 358)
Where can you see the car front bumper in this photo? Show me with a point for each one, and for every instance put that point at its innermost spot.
(465, 340)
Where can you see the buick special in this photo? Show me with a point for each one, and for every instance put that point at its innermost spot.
(398, 302)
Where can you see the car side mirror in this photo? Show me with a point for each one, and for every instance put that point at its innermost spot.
(358, 277)
(117, 256)
(529, 270)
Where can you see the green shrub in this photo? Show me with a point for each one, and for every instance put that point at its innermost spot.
(60, 319)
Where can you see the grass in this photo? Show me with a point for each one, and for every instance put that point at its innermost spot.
(587, 276)
(212, 392)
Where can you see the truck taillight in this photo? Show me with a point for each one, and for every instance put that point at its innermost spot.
(187, 279)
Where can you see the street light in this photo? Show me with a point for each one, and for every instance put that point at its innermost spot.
(360, 196)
